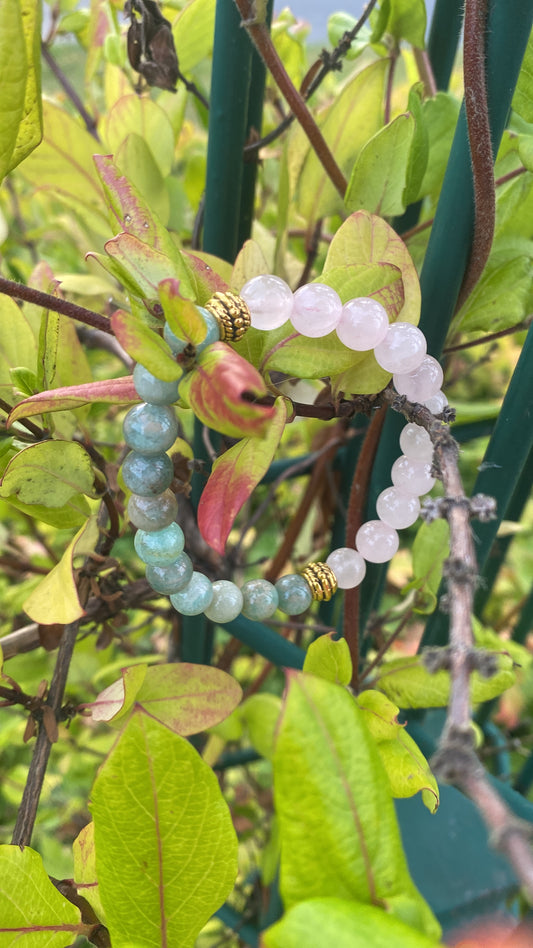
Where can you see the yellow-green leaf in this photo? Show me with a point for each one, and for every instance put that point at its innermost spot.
(56, 599)
(48, 473)
(408, 683)
(20, 81)
(329, 658)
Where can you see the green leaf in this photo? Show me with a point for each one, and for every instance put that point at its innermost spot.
(343, 923)
(20, 81)
(56, 599)
(186, 698)
(73, 514)
(419, 152)
(439, 116)
(85, 879)
(137, 265)
(145, 346)
(48, 473)
(182, 315)
(339, 834)
(136, 161)
(32, 910)
(17, 344)
(408, 684)
(329, 658)
(250, 262)
(261, 714)
(378, 180)
(110, 391)
(523, 95)
(341, 23)
(407, 768)
(354, 117)
(215, 389)
(193, 33)
(234, 476)
(500, 298)
(133, 114)
(431, 548)
(170, 818)
(407, 21)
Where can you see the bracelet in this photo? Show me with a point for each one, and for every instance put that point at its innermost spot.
(150, 429)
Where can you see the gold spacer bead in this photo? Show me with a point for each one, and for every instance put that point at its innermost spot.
(231, 313)
(321, 580)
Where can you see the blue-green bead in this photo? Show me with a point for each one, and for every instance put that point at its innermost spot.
(152, 513)
(147, 476)
(294, 594)
(226, 603)
(176, 344)
(213, 330)
(172, 578)
(150, 429)
(260, 599)
(195, 598)
(153, 390)
(161, 547)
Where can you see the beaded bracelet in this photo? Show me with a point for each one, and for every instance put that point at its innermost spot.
(150, 429)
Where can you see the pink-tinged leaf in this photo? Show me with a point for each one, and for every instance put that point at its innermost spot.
(234, 476)
(137, 265)
(112, 391)
(186, 698)
(145, 346)
(181, 314)
(215, 391)
(206, 279)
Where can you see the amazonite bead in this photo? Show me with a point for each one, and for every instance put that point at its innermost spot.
(150, 429)
(153, 390)
(294, 594)
(177, 345)
(161, 547)
(147, 476)
(226, 603)
(152, 513)
(172, 578)
(260, 599)
(195, 598)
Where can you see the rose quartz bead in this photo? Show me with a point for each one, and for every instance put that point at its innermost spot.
(416, 443)
(437, 403)
(269, 300)
(376, 541)
(422, 382)
(413, 477)
(348, 565)
(316, 311)
(363, 324)
(396, 508)
(402, 349)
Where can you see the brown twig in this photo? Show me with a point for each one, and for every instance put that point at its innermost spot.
(47, 301)
(523, 324)
(39, 433)
(393, 59)
(425, 71)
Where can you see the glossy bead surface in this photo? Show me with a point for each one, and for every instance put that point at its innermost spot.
(294, 594)
(260, 599)
(402, 349)
(177, 345)
(348, 565)
(396, 508)
(152, 513)
(153, 390)
(363, 324)
(172, 578)
(269, 300)
(416, 443)
(195, 597)
(226, 603)
(316, 310)
(376, 541)
(422, 382)
(413, 477)
(436, 403)
(147, 476)
(160, 547)
(150, 429)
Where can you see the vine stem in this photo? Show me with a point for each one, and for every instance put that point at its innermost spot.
(57, 305)
(477, 117)
(261, 38)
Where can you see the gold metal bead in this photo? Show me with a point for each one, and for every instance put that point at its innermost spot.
(321, 580)
(231, 313)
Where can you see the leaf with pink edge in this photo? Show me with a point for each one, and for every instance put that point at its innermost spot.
(234, 476)
(111, 391)
(366, 239)
(145, 346)
(85, 878)
(215, 391)
(137, 265)
(117, 699)
(181, 314)
(208, 274)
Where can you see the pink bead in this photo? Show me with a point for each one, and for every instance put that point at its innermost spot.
(422, 382)
(413, 477)
(396, 508)
(348, 565)
(437, 403)
(416, 443)
(376, 541)
(316, 310)
(363, 324)
(269, 300)
(402, 349)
